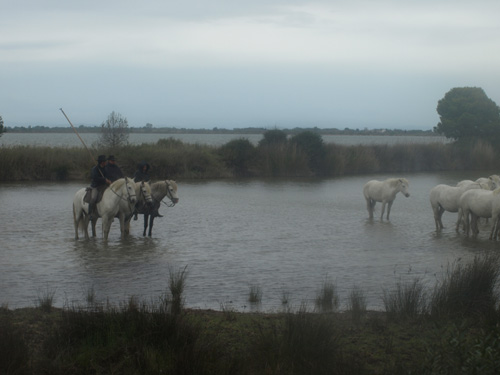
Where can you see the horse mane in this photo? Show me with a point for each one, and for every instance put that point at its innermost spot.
(117, 184)
(155, 186)
(393, 182)
(174, 184)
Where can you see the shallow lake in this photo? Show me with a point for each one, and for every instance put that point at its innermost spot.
(285, 237)
(71, 140)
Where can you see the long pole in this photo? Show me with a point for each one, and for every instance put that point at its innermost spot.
(90, 153)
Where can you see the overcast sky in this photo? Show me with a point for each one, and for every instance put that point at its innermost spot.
(232, 64)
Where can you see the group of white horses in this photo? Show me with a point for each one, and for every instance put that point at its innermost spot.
(472, 200)
(121, 199)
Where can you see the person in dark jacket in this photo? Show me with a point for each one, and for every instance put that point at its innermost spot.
(113, 171)
(99, 180)
(142, 173)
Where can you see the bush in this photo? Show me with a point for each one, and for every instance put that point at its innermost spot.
(273, 138)
(312, 144)
(238, 155)
(467, 289)
(408, 300)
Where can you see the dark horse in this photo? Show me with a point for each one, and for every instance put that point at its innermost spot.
(159, 190)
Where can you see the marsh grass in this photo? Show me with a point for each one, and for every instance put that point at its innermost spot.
(173, 159)
(14, 352)
(131, 339)
(148, 338)
(327, 299)
(45, 298)
(176, 285)
(300, 343)
(467, 288)
(356, 304)
(407, 300)
(285, 297)
(255, 294)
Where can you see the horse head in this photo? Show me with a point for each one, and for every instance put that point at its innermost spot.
(171, 191)
(404, 186)
(145, 193)
(130, 191)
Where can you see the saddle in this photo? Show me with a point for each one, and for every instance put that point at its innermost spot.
(88, 193)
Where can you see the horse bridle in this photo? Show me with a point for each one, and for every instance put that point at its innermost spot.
(169, 195)
(129, 198)
(143, 193)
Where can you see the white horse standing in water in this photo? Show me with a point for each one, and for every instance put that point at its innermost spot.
(127, 208)
(446, 198)
(385, 192)
(475, 204)
(107, 208)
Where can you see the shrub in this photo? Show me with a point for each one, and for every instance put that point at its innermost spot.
(467, 289)
(255, 294)
(356, 304)
(327, 298)
(273, 138)
(177, 283)
(238, 155)
(408, 300)
(312, 144)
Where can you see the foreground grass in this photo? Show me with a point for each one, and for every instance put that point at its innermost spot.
(453, 330)
(149, 341)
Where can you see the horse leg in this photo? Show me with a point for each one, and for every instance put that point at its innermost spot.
(474, 224)
(151, 225)
(121, 218)
(106, 226)
(466, 220)
(389, 205)
(460, 220)
(369, 207)
(146, 216)
(494, 227)
(76, 222)
(383, 210)
(93, 223)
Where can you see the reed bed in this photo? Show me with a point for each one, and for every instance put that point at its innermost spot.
(303, 155)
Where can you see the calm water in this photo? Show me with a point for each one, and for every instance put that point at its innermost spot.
(70, 139)
(281, 236)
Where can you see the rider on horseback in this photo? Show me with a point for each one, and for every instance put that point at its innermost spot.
(100, 179)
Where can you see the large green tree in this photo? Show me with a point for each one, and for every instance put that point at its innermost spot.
(114, 131)
(466, 112)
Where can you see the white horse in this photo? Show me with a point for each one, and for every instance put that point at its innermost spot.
(107, 208)
(445, 198)
(385, 192)
(127, 208)
(495, 215)
(489, 183)
(159, 190)
(474, 204)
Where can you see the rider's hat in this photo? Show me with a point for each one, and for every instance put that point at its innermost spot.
(111, 157)
(101, 158)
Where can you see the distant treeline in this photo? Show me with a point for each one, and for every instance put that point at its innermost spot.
(277, 155)
(173, 130)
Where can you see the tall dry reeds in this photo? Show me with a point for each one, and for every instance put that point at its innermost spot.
(303, 156)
